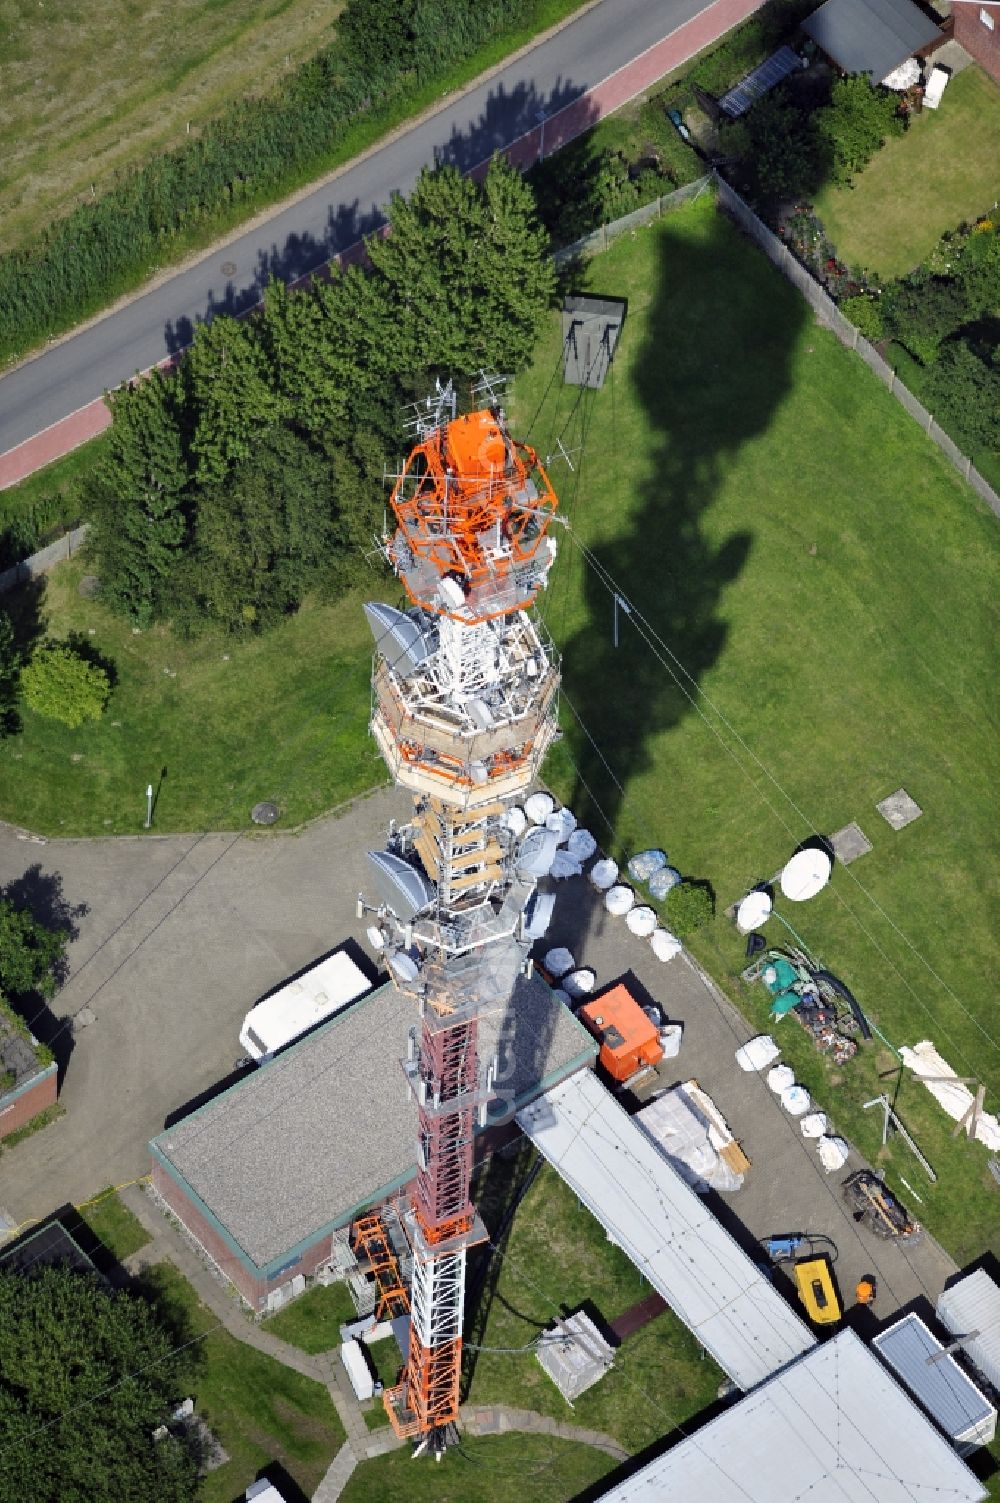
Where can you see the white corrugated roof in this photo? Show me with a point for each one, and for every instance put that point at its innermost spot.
(624, 1178)
(973, 1304)
(834, 1427)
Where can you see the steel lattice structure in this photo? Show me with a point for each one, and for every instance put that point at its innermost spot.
(464, 705)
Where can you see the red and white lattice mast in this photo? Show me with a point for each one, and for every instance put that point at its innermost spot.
(464, 708)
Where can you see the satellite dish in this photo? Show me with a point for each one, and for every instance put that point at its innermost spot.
(406, 890)
(754, 910)
(536, 852)
(404, 644)
(806, 874)
(403, 966)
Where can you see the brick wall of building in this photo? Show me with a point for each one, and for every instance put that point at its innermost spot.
(977, 39)
(253, 1288)
(19, 1111)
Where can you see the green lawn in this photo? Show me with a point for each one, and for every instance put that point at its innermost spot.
(261, 1411)
(114, 1225)
(942, 172)
(557, 1257)
(826, 578)
(282, 716)
(501, 1468)
(313, 1322)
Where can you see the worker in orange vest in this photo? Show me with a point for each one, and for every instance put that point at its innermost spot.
(865, 1291)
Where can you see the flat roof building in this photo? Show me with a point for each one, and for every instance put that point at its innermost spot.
(833, 1427)
(265, 1173)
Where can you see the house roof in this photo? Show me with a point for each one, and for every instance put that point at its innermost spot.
(833, 1427)
(325, 1128)
(50, 1243)
(870, 36)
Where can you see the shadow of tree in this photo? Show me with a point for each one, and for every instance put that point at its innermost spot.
(508, 116)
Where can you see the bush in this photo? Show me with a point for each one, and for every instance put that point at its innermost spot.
(963, 388)
(690, 906)
(866, 316)
(62, 685)
(856, 123)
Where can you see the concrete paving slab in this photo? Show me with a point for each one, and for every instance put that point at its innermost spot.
(899, 809)
(850, 843)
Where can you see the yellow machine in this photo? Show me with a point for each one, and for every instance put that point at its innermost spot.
(817, 1290)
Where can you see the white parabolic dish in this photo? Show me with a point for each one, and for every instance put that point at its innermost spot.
(806, 874)
(754, 910)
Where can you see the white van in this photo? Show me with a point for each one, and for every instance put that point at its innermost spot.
(301, 1004)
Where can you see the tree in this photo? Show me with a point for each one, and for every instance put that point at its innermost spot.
(232, 394)
(963, 389)
(689, 907)
(514, 270)
(59, 683)
(262, 538)
(856, 123)
(31, 954)
(86, 1375)
(465, 270)
(328, 349)
(10, 669)
(137, 501)
(787, 159)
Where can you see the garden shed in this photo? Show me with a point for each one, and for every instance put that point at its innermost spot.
(871, 36)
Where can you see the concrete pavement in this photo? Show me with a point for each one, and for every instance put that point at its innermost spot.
(546, 95)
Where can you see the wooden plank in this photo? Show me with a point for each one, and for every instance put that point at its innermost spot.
(429, 854)
(491, 852)
(473, 879)
(733, 1155)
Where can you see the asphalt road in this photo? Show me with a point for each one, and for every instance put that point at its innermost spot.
(304, 235)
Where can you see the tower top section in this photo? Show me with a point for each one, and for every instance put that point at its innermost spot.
(472, 507)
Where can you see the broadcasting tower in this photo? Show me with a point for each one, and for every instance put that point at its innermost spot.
(464, 708)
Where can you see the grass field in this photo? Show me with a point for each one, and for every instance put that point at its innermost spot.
(114, 1225)
(944, 170)
(261, 1411)
(225, 722)
(826, 581)
(313, 1322)
(502, 1468)
(91, 89)
(558, 1257)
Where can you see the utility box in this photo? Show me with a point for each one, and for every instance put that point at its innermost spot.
(358, 1369)
(629, 1041)
(574, 1354)
(937, 1382)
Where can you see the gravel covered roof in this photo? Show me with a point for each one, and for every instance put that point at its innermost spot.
(326, 1127)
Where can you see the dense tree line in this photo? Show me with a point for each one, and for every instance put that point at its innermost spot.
(253, 472)
(383, 48)
(86, 1376)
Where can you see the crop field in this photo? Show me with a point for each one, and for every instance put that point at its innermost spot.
(815, 584)
(89, 89)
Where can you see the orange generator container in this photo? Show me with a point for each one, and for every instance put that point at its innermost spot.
(629, 1041)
